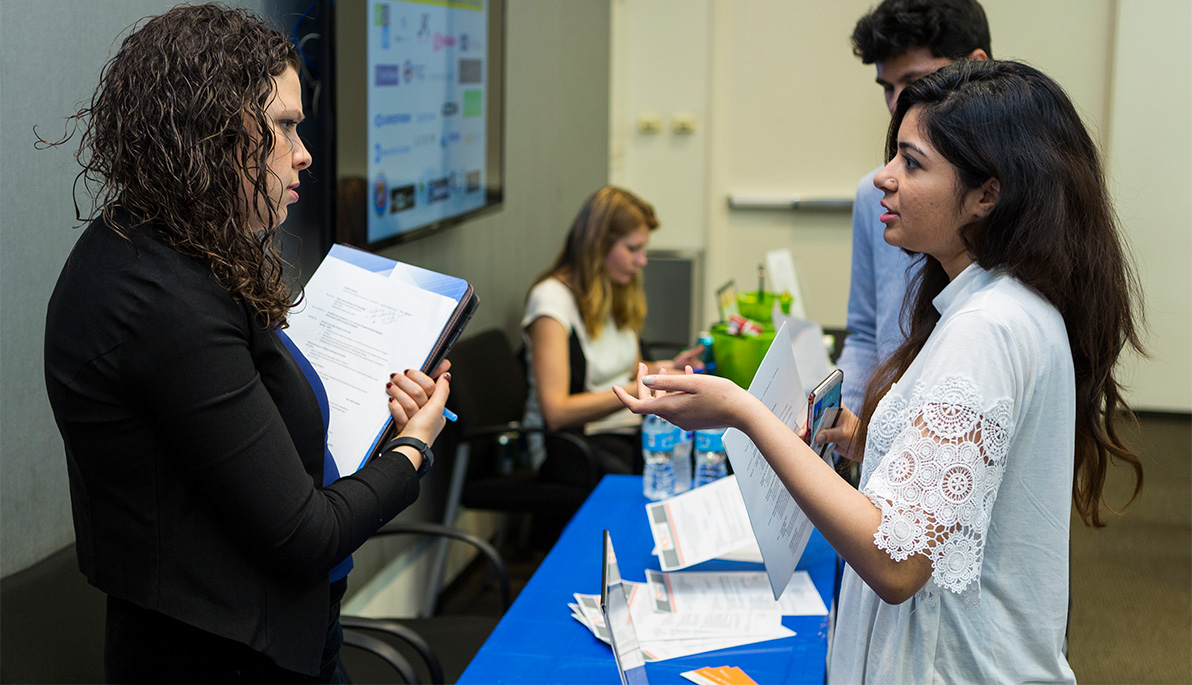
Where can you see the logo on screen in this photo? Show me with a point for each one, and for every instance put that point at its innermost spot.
(471, 71)
(473, 102)
(392, 119)
(450, 108)
(440, 41)
(411, 71)
(473, 181)
(438, 189)
(380, 195)
(383, 152)
(387, 75)
(401, 199)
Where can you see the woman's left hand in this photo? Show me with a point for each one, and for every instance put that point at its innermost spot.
(689, 401)
(843, 434)
(689, 357)
(409, 390)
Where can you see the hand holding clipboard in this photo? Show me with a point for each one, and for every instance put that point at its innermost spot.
(363, 316)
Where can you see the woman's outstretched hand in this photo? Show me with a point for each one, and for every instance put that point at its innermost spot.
(844, 435)
(689, 357)
(690, 401)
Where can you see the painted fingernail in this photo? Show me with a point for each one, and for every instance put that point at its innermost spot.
(648, 381)
(392, 375)
(447, 376)
(392, 399)
(388, 385)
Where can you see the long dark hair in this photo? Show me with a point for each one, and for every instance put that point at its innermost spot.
(173, 131)
(1053, 228)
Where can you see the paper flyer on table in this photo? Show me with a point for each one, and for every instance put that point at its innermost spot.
(732, 591)
(700, 524)
(356, 326)
(718, 675)
(780, 526)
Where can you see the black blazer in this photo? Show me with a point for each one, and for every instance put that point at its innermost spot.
(195, 450)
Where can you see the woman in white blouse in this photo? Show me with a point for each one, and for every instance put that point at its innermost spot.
(581, 325)
(997, 412)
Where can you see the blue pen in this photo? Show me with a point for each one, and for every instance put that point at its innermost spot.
(450, 415)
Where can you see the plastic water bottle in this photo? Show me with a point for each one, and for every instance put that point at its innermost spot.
(682, 461)
(707, 356)
(659, 441)
(711, 462)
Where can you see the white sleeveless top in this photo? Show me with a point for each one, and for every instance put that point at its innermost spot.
(610, 358)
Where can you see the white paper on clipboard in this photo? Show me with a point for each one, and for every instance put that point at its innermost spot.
(363, 318)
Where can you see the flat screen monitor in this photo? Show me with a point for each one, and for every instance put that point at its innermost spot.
(418, 115)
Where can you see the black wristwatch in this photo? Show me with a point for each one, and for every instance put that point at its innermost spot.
(428, 457)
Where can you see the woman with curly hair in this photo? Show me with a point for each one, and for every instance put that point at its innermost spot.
(205, 503)
(997, 413)
(581, 324)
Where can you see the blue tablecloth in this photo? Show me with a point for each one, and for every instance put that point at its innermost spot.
(539, 642)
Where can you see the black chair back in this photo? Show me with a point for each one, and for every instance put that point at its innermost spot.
(488, 381)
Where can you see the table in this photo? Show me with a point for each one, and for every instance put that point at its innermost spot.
(538, 641)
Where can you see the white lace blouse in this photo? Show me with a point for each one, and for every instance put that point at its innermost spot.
(969, 458)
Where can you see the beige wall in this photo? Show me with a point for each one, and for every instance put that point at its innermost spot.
(1150, 164)
(786, 108)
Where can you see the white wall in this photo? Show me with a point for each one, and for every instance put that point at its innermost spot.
(786, 108)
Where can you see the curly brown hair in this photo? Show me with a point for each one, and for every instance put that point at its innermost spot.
(175, 132)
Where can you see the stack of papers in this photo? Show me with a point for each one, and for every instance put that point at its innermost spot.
(679, 614)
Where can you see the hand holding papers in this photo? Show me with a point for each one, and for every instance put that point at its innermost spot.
(780, 526)
(691, 402)
(363, 318)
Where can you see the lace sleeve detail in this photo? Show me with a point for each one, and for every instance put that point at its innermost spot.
(943, 454)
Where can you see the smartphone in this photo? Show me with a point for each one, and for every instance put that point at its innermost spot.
(823, 409)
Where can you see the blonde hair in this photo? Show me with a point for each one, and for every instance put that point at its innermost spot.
(610, 214)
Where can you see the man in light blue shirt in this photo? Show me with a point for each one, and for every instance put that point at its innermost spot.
(905, 40)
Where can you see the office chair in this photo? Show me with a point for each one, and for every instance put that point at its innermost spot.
(491, 470)
(441, 646)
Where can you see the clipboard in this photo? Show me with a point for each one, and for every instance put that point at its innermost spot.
(367, 316)
(456, 288)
